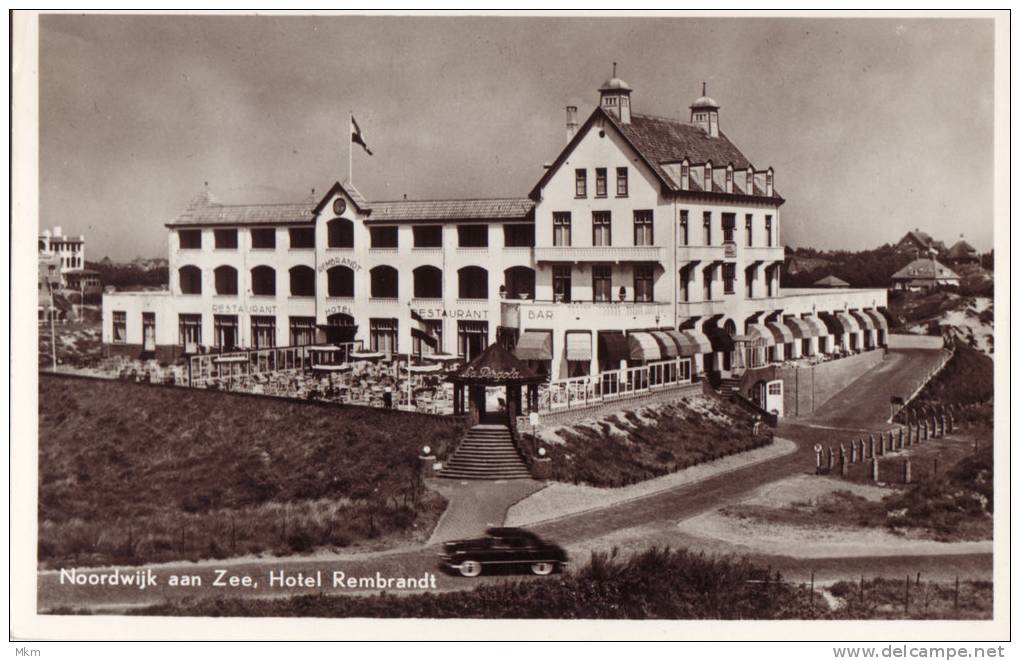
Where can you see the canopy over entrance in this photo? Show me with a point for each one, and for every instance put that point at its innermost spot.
(495, 367)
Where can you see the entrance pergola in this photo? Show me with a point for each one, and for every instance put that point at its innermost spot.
(495, 367)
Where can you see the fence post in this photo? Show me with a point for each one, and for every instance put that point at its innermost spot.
(901, 437)
(906, 471)
(832, 461)
(853, 450)
(844, 469)
(874, 469)
(892, 439)
(871, 445)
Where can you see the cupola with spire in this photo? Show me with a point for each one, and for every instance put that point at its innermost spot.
(615, 97)
(705, 113)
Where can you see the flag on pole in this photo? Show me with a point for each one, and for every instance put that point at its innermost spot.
(421, 330)
(356, 135)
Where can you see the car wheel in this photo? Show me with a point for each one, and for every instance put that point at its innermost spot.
(470, 568)
(542, 568)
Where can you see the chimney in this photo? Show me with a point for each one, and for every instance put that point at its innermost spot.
(571, 122)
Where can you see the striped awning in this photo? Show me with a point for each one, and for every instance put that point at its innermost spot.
(819, 327)
(613, 347)
(534, 345)
(579, 346)
(878, 318)
(780, 332)
(849, 323)
(642, 346)
(834, 325)
(669, 346)
(798, 327)
(762, 332)
(698, 340)
(864, 320)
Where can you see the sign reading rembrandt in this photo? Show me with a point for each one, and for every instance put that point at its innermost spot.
(339, 261)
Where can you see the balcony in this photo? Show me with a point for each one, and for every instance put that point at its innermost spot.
(611, 254)
(585, 314)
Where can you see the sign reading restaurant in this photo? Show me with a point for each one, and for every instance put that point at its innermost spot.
(443, 313)
(237, 308)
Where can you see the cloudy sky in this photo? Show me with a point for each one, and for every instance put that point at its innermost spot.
(873, 126)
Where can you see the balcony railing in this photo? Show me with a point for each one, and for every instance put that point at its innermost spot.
(615, 254)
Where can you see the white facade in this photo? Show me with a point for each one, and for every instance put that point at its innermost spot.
(70, 250)
(647, 236)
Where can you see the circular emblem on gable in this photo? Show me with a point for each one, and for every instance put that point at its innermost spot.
(339, 205)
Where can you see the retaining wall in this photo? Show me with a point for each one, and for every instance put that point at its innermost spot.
(807, 388)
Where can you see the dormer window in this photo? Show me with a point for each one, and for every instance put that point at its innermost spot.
(749, 182)
(729, 180)
(708, 177)
(768, 183)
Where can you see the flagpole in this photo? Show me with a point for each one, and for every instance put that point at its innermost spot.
(350, 149)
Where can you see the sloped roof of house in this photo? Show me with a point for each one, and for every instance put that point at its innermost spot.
(924, 239)
(504, 208)
(203, 211)
(832, 281)
(662, 143)
(961, 249)
(925, 269)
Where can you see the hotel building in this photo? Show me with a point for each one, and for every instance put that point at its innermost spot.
(647, 238)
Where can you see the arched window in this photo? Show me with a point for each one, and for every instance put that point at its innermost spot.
(226, 281)
(340, 233)
(519, 282)
(302, 281)
(472, 282)
(428, 282)
(190, 278)
(384, 282)
(263, 281)
(340, 281)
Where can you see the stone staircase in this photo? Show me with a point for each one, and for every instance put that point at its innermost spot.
(729, 386)
(486, 453)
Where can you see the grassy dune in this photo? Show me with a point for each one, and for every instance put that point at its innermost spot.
(132, 473)
(637, 445)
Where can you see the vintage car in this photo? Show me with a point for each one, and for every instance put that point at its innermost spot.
(504, 547)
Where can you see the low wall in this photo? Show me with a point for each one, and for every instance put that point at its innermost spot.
(166, 353)
(571, 416)
(910, 341)
(807, 388)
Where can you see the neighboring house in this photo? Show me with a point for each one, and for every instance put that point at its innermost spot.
(68, 250)
(798, 264)
(923, 274)
(962, 253)
(84, 279)
(918, 243)
(49, 281)
(832, 281)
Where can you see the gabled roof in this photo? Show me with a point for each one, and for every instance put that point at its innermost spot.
(505, 208)
(925, 268)
(961, 249)
(924, 239)
(347, 189)
(832, 281)
(661, 142)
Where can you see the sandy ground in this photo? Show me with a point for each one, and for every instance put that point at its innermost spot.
(559, 500)
(967, 324)
(815, 542)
